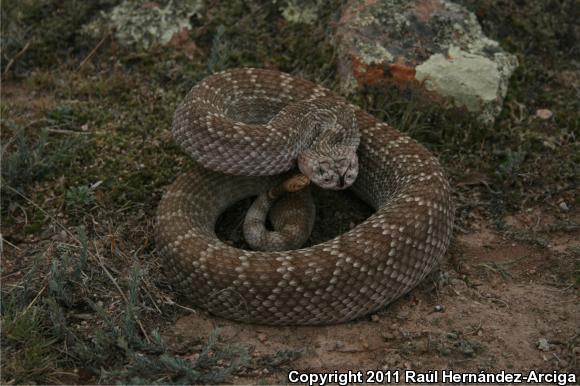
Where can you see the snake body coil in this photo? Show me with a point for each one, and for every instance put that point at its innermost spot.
(229, 124)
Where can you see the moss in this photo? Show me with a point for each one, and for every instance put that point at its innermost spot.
(51, 28)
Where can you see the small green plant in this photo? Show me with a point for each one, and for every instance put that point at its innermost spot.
(62, 116)
(79, 197)
(219, 51)
(32, 155)
(39, 336)
(281, 358)
(27, 345)
(511, 163)
(34, 358)
(66, 272)
(498, 268)
(214, 365)
(23, 160)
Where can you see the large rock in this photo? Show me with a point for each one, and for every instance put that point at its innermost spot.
(435, 46)
(141, 24)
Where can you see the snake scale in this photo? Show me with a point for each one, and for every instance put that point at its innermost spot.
(243, 128)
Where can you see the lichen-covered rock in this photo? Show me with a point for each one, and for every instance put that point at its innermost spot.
(142, 24)
(435, 45)
(300, 11)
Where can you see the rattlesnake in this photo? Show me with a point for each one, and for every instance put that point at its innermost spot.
(338, 280)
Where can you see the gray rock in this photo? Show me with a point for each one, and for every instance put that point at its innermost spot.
(543, 344)
(435, 46)
(142, 24)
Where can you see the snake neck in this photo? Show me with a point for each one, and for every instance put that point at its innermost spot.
(330, 126)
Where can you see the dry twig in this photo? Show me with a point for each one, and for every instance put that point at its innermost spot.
(16, 57)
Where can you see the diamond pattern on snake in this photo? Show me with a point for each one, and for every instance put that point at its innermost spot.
(246, 129)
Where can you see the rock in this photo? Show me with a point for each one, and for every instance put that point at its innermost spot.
(439, 308)
(143, 24)
(544, 113)
(564, 206)
(388, 336)
(543, 344)
(434, 46)
(262, 338)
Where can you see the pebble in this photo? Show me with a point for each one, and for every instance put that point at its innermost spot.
(564, 207)
(544, 113)
(388, 336)
(61, 236)
(543, 344)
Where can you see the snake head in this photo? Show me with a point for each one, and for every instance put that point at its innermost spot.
(336, 171)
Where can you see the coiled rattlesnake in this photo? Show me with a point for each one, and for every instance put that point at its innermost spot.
(223, 124)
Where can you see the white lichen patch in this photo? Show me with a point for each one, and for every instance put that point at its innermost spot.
(372, 54)
(142, 24)
(467, 78)
(471, 80)
(295, 12)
